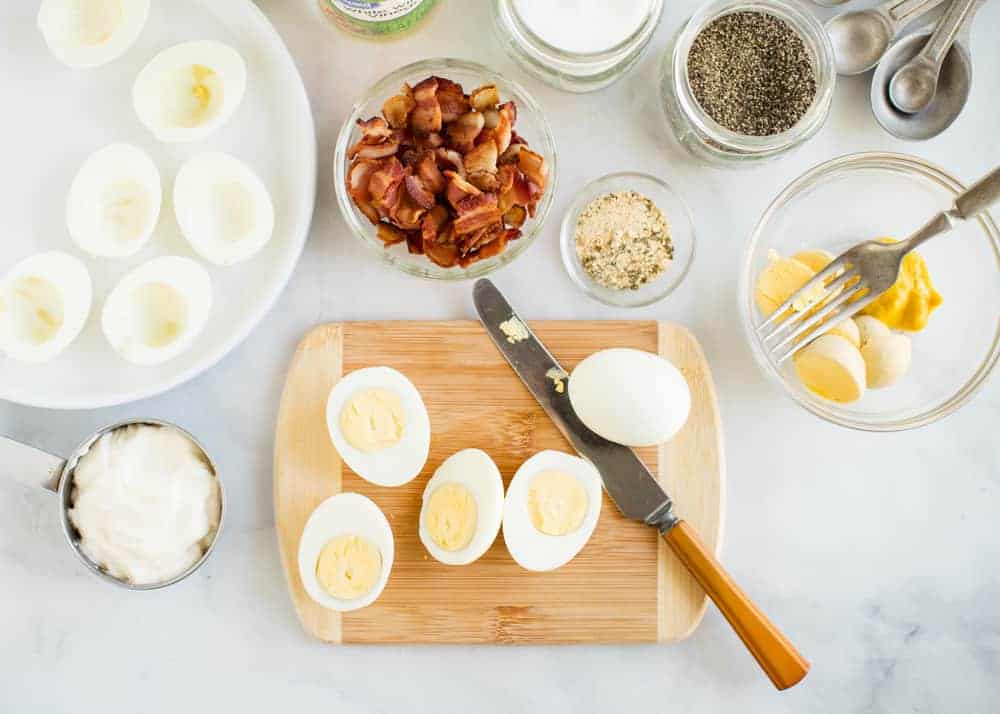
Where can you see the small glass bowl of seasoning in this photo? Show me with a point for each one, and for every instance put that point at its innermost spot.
(628, 239)
(747, 80)
(576, 45)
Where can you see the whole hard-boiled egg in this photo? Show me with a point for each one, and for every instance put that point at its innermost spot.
(462, 508)
(551, 509)
(114, 201)
(223, 208)
(89, 33)
(157, 310)
(379, 425)
(189, 90)
(44, 303)
(346, 552)
(630, 397)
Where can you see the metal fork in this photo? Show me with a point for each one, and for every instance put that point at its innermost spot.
(862, 273)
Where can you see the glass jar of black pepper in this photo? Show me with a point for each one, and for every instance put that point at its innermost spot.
(747, 80)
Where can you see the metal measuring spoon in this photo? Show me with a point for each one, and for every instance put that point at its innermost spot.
(861, 37)
(913, 86)
(34, 467)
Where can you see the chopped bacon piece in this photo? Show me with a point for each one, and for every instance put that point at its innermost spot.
(358, 177)
(433, 220)
(419, 193)
(388, 234)
(505, 126)
(533, 166)
(406, 213)
(429, 141)
(414, 242)
(476, 212)
(483, 158)
(450, 158)
(464, 130)
(370, 212)
(476, 240)
(426, 115)
(495, 247)
(515, 216)
(451, 97)
(485, 97)
(397, 110)
(511, 154)
(458, 189)
(484, 180)
(519, 192)
(427, 169)
(443, 254)
(491, 117)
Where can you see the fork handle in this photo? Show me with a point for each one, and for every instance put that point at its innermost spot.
(774, 653)
(978, 197)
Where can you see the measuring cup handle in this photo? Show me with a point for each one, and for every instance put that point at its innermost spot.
(30, 466)
(953, 21)
(901, 12)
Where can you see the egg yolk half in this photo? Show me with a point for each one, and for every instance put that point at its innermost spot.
(37, 310)
(348, 567)
(451, 516)
(373, 420)
(908, 304)
(557, 503)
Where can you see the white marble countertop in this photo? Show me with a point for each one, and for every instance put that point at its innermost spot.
(882, 564)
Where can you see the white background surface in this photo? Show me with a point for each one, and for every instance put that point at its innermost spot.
(878, 554)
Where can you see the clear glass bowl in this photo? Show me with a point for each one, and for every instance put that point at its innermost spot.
(531, 124)
(571, 71)
(704, 137)
(864, 196)
(682, 235)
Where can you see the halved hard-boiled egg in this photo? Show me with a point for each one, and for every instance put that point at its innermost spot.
(189, 90)
(551, 509)
(89, 33)
(156, 311)
(223, 208)
(462, 508)
(44, 303)
(346, 552)
(379, 425)
(114, 201)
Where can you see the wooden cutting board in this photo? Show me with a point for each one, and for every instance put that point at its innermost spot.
(625, 586)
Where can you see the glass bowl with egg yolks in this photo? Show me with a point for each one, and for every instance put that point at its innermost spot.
(872, 195)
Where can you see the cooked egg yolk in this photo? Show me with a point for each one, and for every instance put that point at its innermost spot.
(36, 309)
(910, 301)
(779, 281)
(557, 503)
(125, 209)
(95, 21)
(348, 567)
(372, 420)
(159, 314)
(451, 516)
(192, 96)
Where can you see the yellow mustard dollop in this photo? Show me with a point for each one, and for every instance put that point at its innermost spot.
(349, 566)
(451, 515)
(557, 503)
(373, 420)
(908, 304)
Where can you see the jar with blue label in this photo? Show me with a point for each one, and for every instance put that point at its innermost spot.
(377, 18)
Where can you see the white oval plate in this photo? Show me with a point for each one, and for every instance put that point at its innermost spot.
(61, 115)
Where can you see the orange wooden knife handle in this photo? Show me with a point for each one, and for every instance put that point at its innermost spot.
(774, 653)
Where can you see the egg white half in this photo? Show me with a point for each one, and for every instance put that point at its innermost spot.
(401, 462)
(223, 208)
(89, 33)
(189, 90)
(529, 547)
(344, 514)
(157, 310)
(44, 303)
(475, 470)
(114, 201)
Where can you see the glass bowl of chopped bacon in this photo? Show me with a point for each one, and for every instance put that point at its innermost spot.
(446, 168)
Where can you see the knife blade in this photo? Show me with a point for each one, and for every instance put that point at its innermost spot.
(630, 484)
(633, 488)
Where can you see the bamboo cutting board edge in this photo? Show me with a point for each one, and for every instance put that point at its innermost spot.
(680, 603)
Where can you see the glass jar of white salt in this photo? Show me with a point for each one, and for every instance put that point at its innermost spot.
(576, 45)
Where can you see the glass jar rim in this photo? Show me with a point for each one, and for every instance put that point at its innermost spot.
(645, 28)
(815, 38)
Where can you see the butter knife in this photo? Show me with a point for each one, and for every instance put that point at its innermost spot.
(634, 489)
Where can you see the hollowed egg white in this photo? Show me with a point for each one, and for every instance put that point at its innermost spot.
(344, 514)
(528, 546)
(475, 471)
(114, 201)
(157, 310)
(223, 208)
(189, 90)
(89, 33)
(44, 303)
(399, 463)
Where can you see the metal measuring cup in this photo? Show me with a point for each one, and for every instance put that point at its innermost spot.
(34, 467)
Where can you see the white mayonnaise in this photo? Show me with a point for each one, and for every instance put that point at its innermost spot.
(145, 502)
(583, 26)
